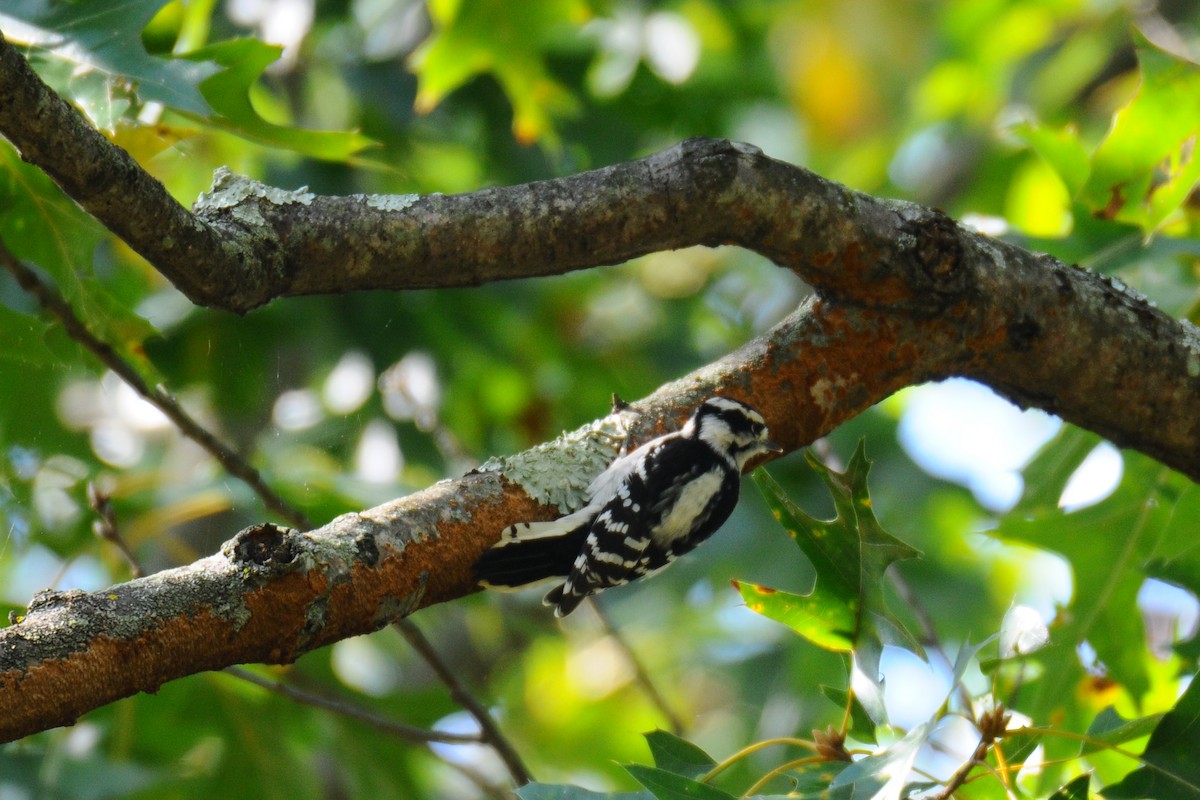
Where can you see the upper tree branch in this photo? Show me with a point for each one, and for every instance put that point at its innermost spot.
(1038, 331)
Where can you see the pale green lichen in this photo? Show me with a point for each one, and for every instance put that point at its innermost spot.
(391, 202)
(1191, 341)
(559, 472)
(230, 190)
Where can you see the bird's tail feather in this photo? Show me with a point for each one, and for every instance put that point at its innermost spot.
(519, 560)
(563, 599)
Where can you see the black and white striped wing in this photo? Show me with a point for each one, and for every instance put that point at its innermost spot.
(675, 496)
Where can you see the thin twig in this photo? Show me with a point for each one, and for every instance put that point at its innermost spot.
(639, 670)
(107, 529)
(233, 463)
(400, 730)
(488, 730)
(409, 733)
(963, 772)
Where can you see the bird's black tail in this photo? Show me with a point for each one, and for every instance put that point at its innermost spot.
(518, 562)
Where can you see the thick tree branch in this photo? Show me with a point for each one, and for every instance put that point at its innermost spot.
(272, 594)
(1041, 332)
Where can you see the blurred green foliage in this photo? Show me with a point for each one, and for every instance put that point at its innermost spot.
(1067, 125)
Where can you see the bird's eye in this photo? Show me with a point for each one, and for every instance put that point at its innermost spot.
(757, 428)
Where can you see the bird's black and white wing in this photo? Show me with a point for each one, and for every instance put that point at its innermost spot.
(677, 494)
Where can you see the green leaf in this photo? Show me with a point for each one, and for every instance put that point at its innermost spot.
(228, 93)
(825, 622)
(677, 755)
(1175, 558)
(1111, 728)
(43, 227)
(1170, 768)
(1046, 476)
(669, 786)
(884, 773)
(1112, 547)
(107, 36)
(1061, 149)
(210, 85)
(1147, 166)
(850, 554)
(24, 338)
(507, 40)
(862, 727)
(1075, 790)
(92, 777)
(813, 780)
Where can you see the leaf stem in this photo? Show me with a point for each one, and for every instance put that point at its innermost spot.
(754, 748)
(779, 770)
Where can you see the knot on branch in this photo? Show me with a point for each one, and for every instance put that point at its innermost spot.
(937, 249)
(46, 599)
(1023, 332)
(264, 545)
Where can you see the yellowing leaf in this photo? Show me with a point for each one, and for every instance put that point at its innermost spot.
(1147, 166)
(508, 41)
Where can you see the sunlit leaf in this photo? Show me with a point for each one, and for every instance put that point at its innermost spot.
(825, 622)
(1037, 202)
(228, 93)
(1061, 149)
(1170, 768)
(1147, 165)
(1022, 632)
(508, 41)
(882, 775)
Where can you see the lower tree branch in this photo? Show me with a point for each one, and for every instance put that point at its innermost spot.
(272, 594)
